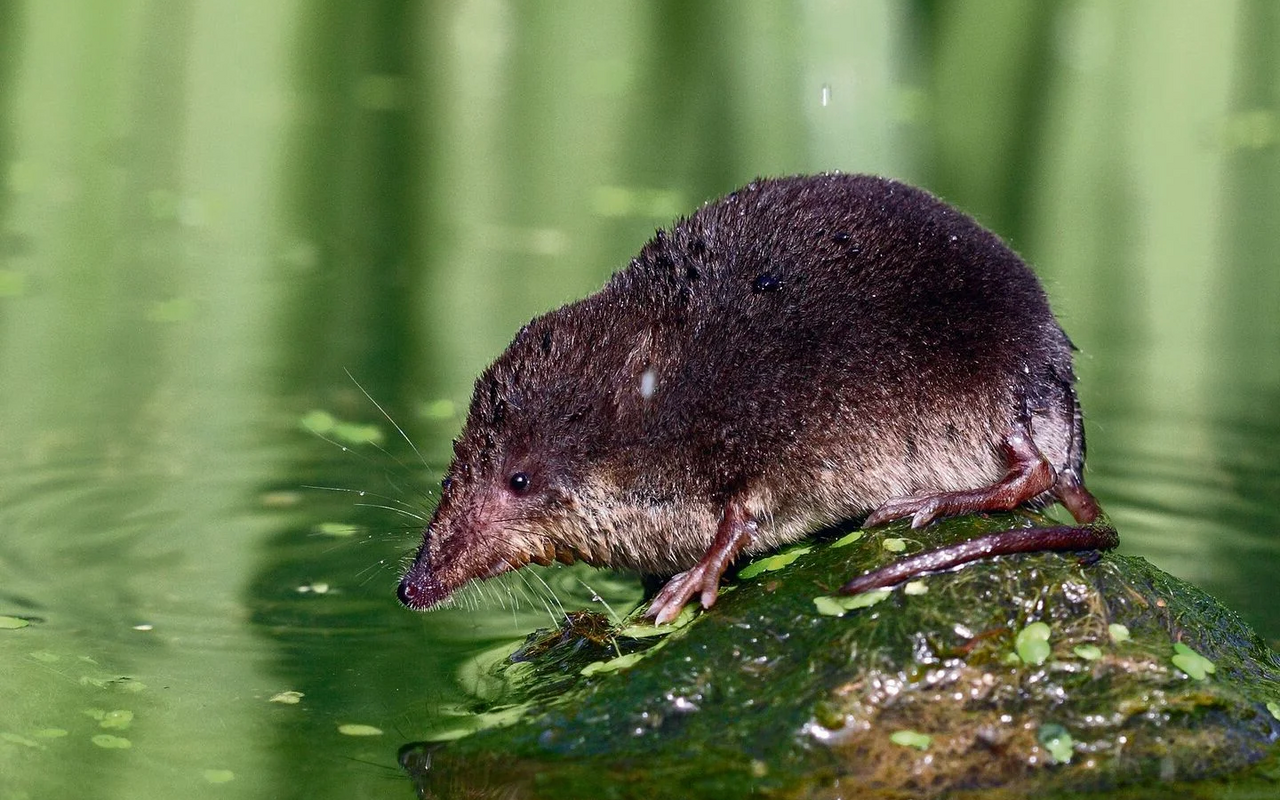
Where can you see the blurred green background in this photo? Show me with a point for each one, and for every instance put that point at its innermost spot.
(212, 212)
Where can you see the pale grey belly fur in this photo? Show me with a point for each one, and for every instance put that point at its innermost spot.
(830, 488)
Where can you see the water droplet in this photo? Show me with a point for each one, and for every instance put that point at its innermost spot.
(766, 283)
(826, 95)
(648, 384)
(684, 705)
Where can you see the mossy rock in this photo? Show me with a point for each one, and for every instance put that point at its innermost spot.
(1017, 675)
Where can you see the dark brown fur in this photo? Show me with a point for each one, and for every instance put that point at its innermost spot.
(803, 351)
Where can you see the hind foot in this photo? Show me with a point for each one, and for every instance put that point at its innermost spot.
(1029, 476)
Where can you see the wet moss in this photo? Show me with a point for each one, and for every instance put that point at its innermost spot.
(768, 694)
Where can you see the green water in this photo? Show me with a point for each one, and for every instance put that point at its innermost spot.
(213, 216)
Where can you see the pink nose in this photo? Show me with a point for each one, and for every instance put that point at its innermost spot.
(410, 594)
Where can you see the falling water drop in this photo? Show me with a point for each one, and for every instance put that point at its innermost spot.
(826, 95)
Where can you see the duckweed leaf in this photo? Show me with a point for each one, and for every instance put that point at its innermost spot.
(867, 599)
(120, 719)
(1119, 633)
(1034, 652)
(1191, 662)
(894, 545)
(835, 606)
(353, 433)
(1088, 652)
(919, 741)
(318, 421)
(772, 563)
(830, 606)
(1032, 644)
(1055, 739)
(109, 742)
(13, 623)
(1036, 630)
(14, 738)
(355, 729)
(848, 539)
(439, 409)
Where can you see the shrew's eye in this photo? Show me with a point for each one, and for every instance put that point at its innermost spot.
(519, 482)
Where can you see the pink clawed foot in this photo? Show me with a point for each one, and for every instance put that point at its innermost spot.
(922, 511)
(680, 590)
(735, 532)
(1029, 475)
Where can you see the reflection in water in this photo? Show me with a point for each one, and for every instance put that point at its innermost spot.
(1205, 513)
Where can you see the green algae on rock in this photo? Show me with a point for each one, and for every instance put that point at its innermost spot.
(768, 694)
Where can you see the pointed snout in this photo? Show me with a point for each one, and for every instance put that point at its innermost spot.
(419, 589)
(450, 558)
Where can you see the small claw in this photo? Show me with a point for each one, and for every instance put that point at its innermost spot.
(922, 511)
(924, 516)
(672, 608)
(884, 514)
(673, 597)
(667, 614)
(736, 530)
(710, 588)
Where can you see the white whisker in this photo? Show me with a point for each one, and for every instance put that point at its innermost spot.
(388, 416)
(554, 596)
(524, 577)
(597, 596)
(409, 514)
(361, 493)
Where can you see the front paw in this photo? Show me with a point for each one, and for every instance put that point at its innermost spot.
(674, 595)
(678, 591)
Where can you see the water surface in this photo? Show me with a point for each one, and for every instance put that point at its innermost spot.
(219, 219)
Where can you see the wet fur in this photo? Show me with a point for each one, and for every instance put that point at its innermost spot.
(818, 345)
